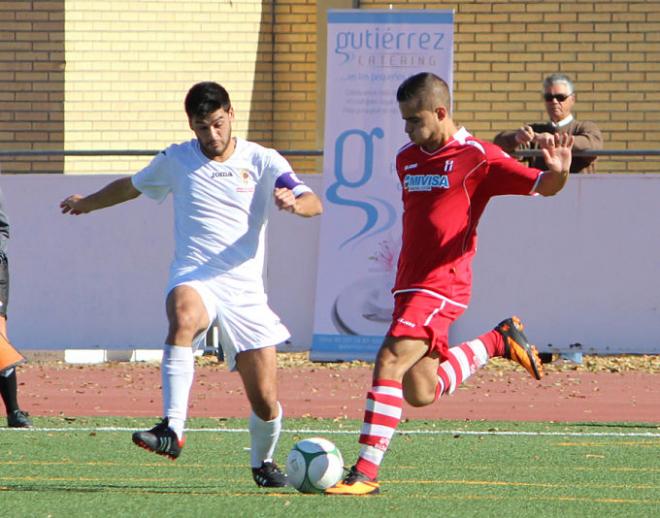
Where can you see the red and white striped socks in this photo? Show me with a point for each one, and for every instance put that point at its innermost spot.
(462, 362)
(381, 417)
(385, 400)
(466, 359)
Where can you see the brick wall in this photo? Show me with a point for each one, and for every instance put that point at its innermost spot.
(31, 83)
(295, 124)
(130, 63)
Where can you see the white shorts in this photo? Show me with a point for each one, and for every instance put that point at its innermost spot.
(245, 320)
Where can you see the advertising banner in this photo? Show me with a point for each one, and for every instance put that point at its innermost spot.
(369, 54)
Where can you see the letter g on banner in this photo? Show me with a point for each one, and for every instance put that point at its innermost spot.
(333, 195)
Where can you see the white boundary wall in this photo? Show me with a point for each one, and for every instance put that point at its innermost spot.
(583, 267)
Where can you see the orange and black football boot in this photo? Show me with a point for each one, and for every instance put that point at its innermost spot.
(518, 349)
(355, 484)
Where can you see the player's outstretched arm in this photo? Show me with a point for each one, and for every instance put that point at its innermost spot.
(115, 192)
(557, 155)
(306, 205)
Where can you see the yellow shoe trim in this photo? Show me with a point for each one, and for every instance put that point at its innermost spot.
(357, 489)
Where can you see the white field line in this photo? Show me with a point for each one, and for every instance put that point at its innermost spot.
(346, 432)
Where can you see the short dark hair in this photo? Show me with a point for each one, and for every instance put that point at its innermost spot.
(428, 88)
(205, 98)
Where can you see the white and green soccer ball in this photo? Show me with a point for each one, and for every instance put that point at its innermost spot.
(314, 465)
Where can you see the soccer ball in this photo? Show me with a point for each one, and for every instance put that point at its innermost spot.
(314, 465)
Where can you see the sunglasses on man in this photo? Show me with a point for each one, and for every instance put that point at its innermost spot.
(559, 97)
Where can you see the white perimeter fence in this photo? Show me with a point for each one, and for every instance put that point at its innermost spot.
(581, 267)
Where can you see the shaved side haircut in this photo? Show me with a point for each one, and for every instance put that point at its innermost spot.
(429, 90)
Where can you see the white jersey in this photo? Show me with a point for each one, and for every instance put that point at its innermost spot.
(220, 208)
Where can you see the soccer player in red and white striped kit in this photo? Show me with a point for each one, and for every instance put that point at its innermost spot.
(447, 179)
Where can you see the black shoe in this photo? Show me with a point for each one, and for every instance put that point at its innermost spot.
(161, 439)
(269, 475)
(19, 419)
(518, 349)
(355, 484)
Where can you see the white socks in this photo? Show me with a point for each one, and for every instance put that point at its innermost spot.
(264, 436)
(177, 371)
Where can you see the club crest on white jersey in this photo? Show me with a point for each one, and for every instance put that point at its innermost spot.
(247, 185)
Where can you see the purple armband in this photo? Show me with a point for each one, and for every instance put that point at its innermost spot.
(292, 182)
(288, 181)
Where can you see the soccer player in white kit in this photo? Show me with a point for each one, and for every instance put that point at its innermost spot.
(222, 187)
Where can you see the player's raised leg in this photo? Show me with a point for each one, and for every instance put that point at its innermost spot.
(188, 318)
(462, 362)
(258, 370)
(506, 340)
(428, 379)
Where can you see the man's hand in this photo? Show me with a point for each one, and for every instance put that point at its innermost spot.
(284, 199)
(543, 139)
(306, 205)
(74, 205)
(525, 135)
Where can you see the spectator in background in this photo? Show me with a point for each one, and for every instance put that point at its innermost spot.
(16, 418)
(559, 97)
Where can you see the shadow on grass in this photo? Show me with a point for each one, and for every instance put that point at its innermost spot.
(117, 488)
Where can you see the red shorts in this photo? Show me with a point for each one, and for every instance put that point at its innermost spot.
(420, 315)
